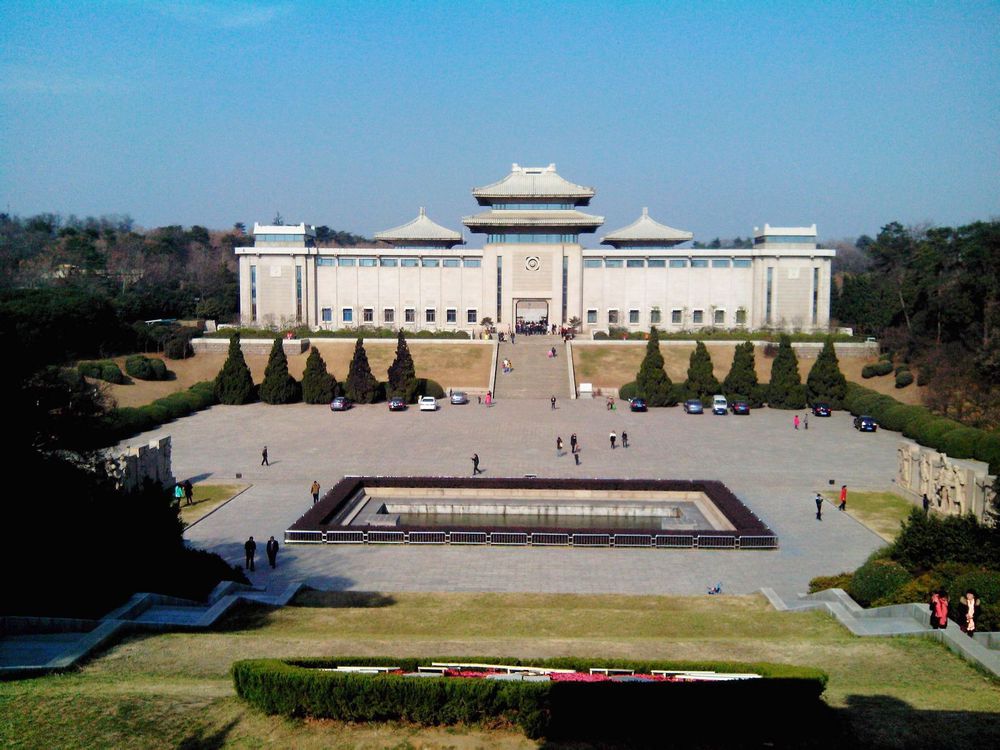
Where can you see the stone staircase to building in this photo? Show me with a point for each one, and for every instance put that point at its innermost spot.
(535, 375)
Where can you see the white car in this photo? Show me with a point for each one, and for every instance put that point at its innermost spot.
(428, 403)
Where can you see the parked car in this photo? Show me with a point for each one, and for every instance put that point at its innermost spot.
(459, 397)
(428, 403)
(821, 410)
(693, 406)
(397, 403)
(340, 403)
(740, 407)
(865, 423)
(719, 405)
(637, 404)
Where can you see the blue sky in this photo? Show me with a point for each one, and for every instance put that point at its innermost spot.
(718, 116)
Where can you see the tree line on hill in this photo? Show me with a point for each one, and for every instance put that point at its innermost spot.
(932, 297)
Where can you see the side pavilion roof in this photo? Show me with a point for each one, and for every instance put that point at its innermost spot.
(533, 182)
(420, 228)
(647, 230)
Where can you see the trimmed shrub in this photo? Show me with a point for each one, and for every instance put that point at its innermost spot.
(904, 379)
(360, 385)
(988, 450)
(877, 369)
(986, 584)
(742, 378)
(701, 382)
(179, 347)
(785, 389)
(427, 387)
(877, 579)
(868, 371)
(934, 431)
(142, 367)
(896, 417)
(278, 386)
(925, 542)
(102, 369)
(961, 443)
(234, 384)
(402, 375)
(318, 385)
(628, 391)
(901, 368)
(915, 425)
(826, 383)
(822, 583)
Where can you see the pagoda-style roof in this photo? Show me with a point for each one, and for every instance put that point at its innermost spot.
(533, 182)
(646, 231)
(420, 229)
(528, 219)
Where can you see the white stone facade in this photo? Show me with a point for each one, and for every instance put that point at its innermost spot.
(533, 264)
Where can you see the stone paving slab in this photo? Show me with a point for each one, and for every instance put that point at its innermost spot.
(774, 469)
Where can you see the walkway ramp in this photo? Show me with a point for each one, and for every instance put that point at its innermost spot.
(535, 375)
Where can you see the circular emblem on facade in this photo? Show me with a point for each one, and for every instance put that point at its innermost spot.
(532, 263)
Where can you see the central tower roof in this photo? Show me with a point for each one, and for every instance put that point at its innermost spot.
(533, 183)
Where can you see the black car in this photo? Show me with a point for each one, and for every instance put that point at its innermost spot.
(340, 403)
(865, 423)
(821, 410)
(740, 407)
(397, 404)
(637, 404)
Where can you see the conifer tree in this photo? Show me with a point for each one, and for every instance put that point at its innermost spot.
(701, 381)
(279, 387)
(361, 385)
(318, 385)
(402, 376)
(786, 390)
(652, 382)
(741, 382)
(234, 383)
(826, 383)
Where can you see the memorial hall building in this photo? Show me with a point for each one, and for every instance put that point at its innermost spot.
(531, 264)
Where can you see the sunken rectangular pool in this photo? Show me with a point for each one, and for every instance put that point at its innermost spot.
(532, 511)
(638, 513)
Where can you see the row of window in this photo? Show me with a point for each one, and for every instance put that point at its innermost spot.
(531, 206)
(514, 238)
(797, 239)
(344, 261)
(717, 315)
(279, 237)
(409, 315)
(665, 262)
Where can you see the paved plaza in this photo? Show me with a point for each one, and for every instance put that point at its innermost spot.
(774, 469)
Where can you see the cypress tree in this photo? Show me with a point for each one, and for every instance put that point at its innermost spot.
(786, 390)
(652, 382)
(361, 385)
(234, 383)
(826, 383)
(741, 382)
(279, 387)
(318, 385)
(402, 376)
(701, 382)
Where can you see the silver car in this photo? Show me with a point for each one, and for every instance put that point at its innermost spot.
(459, 397)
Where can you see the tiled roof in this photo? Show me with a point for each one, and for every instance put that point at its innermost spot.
(533, 182)
(563, 218)
(421, 228)
(645, 229)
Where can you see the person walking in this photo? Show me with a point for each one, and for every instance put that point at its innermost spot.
(941, 610)
(572, 443)
(263, 457)
(178, 494)
(188, 492)
(475, 465)
(819, 507)
(843, 497)
(795, 421)
(624, 439)
(612, 437)
(576, 456)
(559, 445)
(927, 504)
(553, 402)
(970, 607)
(315, 491)
(805, 421)
(250, 548)
(272, 551)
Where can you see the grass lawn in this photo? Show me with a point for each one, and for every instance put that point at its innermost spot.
(208, 497)
(174, 690)
(882, 512)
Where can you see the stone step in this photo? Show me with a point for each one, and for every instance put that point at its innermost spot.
(534, 374)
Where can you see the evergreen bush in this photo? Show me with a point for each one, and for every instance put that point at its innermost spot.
(838, 581)
(901, 368)
(701, 381)
(628, 391)
(234, 384)
(986, 584)
(826, 383)
(427, 387)
(741, 382)
(868, 371)
(961, 443)
(402, 375)
(904, 379)
(652, 382)
(360, 386)
(934, 430)
(988, 450)
(318, 385)
(883, 368)
(926, 541)
(877, 579)
(279, 387)
(102, 369)
(898, 416)
(142, 367)
(785, 389)
(179, 347)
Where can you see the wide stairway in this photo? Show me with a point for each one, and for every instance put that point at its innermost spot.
(535, 375)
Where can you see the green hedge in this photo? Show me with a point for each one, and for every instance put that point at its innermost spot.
(904, 379)
(367, 332)
(142, 367)
(961, 443)
(428, 387)
(127, 421)
(296, 688)
(102, 369)
(877, 579)
(876, 370)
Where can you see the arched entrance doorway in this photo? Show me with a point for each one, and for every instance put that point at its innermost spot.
(531, 315)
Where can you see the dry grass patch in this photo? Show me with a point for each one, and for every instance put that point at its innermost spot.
(208, 497)
(882, 512)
